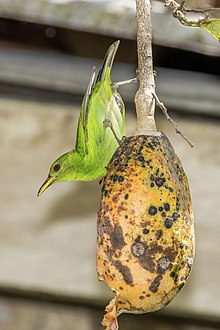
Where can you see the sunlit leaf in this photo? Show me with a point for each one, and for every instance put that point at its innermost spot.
(213, 27)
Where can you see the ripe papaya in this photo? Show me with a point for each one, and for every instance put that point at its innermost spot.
(145, 243)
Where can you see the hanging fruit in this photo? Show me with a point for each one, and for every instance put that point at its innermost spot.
(145, 227)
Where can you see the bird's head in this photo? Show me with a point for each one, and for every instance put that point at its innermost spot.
(61, 170)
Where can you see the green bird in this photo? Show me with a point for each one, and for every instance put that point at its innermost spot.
(101, 126)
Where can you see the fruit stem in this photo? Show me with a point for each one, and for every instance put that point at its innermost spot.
(144, 100)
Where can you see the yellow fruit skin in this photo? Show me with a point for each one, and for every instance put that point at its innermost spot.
(145, 244)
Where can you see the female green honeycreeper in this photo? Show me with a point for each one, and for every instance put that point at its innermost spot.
(101, 125)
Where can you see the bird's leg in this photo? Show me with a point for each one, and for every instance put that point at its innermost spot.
(123, 83)
(108, 123)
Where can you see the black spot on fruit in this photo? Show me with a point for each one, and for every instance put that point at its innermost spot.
(150, 146)
(147, 259)
(117, 238)
(181, 286)
(180, 177)
(168, 223)
(166, 206)
(126, 196)
(169, 188)
(138, 239)
(125, 271)
(152, 210)
(159, 234)
(152, 177)
(155, 284)
(146, 231)
(120, 178)
(114, 178)
(103, 188)
(160, 208)
(159, 181)
(175, 276)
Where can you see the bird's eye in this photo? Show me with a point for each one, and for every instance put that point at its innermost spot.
(56, 167)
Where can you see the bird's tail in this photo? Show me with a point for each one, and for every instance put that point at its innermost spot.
(108, 60)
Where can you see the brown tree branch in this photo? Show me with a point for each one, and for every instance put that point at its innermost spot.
(144, 100)
(146, 96)
(179, 11)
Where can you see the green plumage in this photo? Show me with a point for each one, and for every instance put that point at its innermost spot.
(95, 141)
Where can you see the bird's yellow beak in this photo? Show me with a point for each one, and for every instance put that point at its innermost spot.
(46, 184)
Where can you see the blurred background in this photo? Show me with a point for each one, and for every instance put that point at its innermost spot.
(47, 245)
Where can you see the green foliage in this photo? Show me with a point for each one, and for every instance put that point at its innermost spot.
(213, 27)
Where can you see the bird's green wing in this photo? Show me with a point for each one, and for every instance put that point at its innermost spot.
(82, 132)
(105, 105)
(98, 104)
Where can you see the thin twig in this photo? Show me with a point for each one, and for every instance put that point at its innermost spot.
(124, 83)
(179, 11)
(175, 126)
(201, 10)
